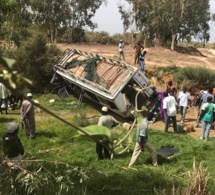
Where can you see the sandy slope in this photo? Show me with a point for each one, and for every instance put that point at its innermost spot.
(158, 56)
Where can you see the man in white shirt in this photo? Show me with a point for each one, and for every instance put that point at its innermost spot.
(170, 108)
(184, 101)
(121, 50)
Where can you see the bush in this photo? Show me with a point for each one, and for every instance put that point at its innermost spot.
(98, 37)
(34, 59)
(160, 72)
(195, 78)
(104, 38)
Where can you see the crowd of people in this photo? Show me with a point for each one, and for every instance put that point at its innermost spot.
(174, 102)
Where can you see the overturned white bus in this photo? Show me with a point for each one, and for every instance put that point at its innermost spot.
(108, 82)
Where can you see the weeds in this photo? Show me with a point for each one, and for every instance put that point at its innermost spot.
(198, 180)
(198, 183)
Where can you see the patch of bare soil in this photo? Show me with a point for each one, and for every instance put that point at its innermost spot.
(159, 56)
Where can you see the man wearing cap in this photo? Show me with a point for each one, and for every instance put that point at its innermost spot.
(12, 145)
(28, 119)
(121, 50)
(108, 121)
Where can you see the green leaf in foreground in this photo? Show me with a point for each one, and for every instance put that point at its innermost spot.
(96, 131)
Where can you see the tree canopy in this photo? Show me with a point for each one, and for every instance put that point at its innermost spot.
(170, 20)
(51, 15)
(163, 21)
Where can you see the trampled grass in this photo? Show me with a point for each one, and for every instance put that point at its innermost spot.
(55, 142)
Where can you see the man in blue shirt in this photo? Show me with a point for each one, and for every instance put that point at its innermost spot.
(142, 61)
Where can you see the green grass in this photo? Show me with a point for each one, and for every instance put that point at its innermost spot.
(107, 176)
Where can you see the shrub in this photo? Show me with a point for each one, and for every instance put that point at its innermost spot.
(160, 72)
(104, 38)
(34, 59)
(98, 37)
(195, 77)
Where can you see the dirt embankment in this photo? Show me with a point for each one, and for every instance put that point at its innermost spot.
(156, 56)
(159, 56)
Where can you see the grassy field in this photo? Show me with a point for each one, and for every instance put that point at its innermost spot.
(58, 163)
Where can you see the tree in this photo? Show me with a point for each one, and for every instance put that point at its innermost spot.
(72, 14)
(6, 7)
(54, 16)
(33, 60)
(213, 17)
(167, 18)
(203, 34)
(82, 12)
(15, 20)
(50, 14)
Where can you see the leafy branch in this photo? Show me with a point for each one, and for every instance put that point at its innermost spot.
(26, 181)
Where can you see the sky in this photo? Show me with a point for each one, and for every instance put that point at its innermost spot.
(109, 20)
